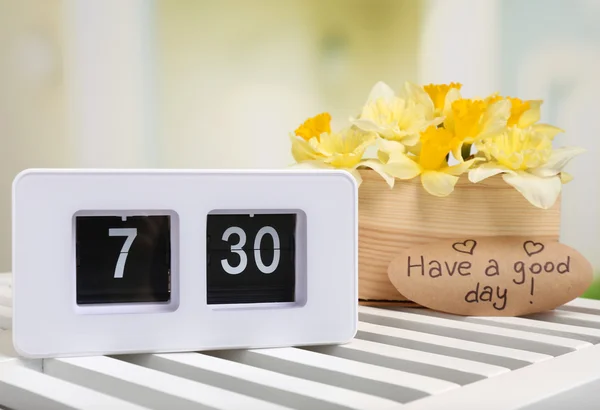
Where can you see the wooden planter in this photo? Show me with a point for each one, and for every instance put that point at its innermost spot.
(391, 220)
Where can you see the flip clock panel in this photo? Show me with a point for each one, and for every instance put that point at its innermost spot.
(122, 261)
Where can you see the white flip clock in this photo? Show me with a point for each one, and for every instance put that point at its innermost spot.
(138, 261)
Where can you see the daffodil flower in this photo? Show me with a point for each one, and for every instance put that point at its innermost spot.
(522, 113)
(314, 145)
(314, 126)
(525, 114)
(442, 95)
(343, 149)
(526, 160)
(397, 117)
(311, 128)
(471, 120)
(437, 177)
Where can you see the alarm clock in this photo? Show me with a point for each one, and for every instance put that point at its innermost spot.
(139, 261)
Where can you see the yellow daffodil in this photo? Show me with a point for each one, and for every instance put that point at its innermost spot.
(397, 117)
(522, 113)
(314, 145)
(437, 177)
(312, 128)
(418, 129)
(526, 113)
(343, 149)
(526, 160)
(442, 95)
(471, 120)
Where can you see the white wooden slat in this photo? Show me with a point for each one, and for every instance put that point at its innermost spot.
(388, 383)
(528, 325)
(585, 397)
(522, 387)
(442, 367)
(23, 388)
(582, 305)
(497, 336)
(5, 296)
(500, 356)
(148, 387)
(5, 317)
(257, 382)
(568, 318)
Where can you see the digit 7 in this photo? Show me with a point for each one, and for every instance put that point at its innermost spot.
(130, 233)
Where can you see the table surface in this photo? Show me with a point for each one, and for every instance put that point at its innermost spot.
(401, 358)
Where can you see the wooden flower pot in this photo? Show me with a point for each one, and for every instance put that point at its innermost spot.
(391, 220)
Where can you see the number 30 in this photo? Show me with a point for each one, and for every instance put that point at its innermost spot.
(237, 248)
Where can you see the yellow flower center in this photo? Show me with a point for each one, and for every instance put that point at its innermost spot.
(438, 92)
(435, 146)
(517, 108)
(518, 149)
(466, 118)
(315, 126)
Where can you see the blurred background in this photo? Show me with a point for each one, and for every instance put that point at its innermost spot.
(221, 84)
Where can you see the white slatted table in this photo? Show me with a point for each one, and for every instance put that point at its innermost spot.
(401, 358)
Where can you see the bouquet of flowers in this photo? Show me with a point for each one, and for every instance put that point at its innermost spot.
(432, 132)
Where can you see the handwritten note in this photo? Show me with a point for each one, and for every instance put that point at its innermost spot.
(491, 276)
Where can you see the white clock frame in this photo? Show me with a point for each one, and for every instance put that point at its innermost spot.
(49, 323)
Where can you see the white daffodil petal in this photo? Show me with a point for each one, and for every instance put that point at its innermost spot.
(402, 167)
(371, 126)
(565, 177)
(491, 132)
(461, 167)
(302, 150)
(410, 139)
(559, 158)
(383, 156)
(487, 170)
(315, 143)
(532, 115)
(495, 117)
(452, 95)
(381, 90)
(390, 147)
(548, 130)
(438, 183)
(540, 192)
(457, 152)
(419, 95)
(414, 149)
(379, 168)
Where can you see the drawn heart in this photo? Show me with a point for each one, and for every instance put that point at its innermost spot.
(465, 247)
(531, 247)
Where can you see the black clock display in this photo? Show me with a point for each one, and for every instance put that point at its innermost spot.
(123, 259)
(251, 258)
